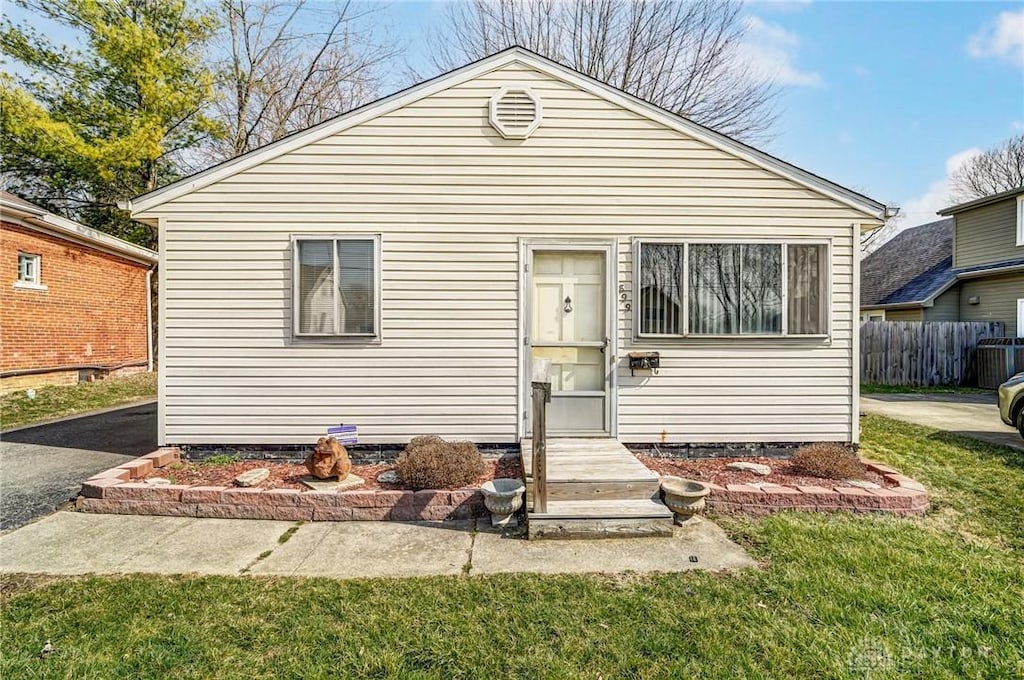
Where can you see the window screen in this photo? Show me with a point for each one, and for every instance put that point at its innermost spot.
(336, 287)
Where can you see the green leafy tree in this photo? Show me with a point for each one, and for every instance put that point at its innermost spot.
(104, 113)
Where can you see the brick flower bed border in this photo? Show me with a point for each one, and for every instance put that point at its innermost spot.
(115, 491)
(906, 497)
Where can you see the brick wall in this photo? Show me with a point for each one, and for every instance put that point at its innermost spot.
(92, 312)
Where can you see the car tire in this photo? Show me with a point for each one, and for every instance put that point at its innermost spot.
(1020, 422)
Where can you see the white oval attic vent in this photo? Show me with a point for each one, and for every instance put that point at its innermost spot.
(515, 112)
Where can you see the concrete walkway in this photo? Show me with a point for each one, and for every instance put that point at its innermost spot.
(971, 415)
(78, 543)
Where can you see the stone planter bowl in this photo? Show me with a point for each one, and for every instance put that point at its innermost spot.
(684, 497)
(503, 497)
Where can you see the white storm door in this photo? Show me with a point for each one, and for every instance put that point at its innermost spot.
(569, 326)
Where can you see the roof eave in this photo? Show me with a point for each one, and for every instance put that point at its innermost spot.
(980, 202)
(979, 273)
(63, 227)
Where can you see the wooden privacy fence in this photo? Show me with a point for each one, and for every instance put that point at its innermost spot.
(922, 353)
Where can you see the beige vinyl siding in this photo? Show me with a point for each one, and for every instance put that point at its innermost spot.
(451, 200)
(914, 314)
(997, 300)
(946, 306)
(987, 234)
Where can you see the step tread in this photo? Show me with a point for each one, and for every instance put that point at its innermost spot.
(604, 509)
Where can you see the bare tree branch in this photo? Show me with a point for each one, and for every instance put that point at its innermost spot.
(682, 56)
(293, 64)
(998, 169)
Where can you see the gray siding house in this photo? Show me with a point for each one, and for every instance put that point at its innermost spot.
(401, 266)
(967, 267)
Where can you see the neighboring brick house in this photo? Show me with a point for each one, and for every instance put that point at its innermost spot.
(967, 267)
(74, 302)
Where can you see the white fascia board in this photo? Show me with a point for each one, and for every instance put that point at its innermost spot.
(39, 219)
(872, 209)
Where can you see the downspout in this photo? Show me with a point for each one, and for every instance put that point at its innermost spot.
(149, 318)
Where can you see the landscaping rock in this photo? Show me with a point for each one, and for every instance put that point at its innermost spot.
(329, 459)
(388, 477)
(252, 477)
(157, 481)
(350, 482)
(764, 485)
(862, 484)
(744, 466)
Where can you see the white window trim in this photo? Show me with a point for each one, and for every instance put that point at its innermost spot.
(1020, 220)
(36, 282)
(686, 335)
(364, 338)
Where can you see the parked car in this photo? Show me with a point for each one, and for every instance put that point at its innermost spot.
(1011, 402)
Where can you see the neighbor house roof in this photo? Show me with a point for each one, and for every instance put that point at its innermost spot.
(991, 268)
(872, 209)
(978, 202)
(911, 269)
(12, 206)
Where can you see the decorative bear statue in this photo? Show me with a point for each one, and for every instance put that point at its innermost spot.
(329, 459)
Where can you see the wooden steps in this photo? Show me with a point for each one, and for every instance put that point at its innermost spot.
(596, 488)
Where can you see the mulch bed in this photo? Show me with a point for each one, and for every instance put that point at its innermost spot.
(287, 475)
(713, 470)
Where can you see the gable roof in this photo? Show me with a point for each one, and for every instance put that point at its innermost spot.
(873, 210)
(911, 269)
(984, 200)
(41, 219)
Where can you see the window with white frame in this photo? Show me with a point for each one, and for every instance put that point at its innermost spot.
(731, 288)
(1020, 220)
(28, 269)
(336, 286)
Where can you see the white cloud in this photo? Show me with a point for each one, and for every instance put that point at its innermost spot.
(770, 51)
(861, 71)
(922, 209)
(1002, 38)
(1016, 126)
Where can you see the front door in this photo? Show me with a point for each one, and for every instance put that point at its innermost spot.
(569, 325)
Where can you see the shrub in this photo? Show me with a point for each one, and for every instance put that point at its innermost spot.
(432, 463)
(828, 460)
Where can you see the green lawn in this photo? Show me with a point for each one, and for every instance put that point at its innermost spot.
(837, 597)
(16, 409)
(874, 388)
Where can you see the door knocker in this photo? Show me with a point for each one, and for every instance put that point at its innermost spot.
(568, 304)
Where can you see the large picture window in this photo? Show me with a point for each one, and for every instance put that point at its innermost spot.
(336, 291)
(731, 289)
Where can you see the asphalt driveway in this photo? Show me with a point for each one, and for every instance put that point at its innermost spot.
(972, 415)
(43, 467)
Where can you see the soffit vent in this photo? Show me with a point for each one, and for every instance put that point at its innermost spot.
(515, 112)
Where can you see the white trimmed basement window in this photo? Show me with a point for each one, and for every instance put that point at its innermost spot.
(337, 287)
(731, 289)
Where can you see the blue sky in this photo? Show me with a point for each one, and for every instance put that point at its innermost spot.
(883, 97)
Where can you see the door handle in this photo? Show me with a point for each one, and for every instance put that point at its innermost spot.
(604, 346)
(568, 304)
